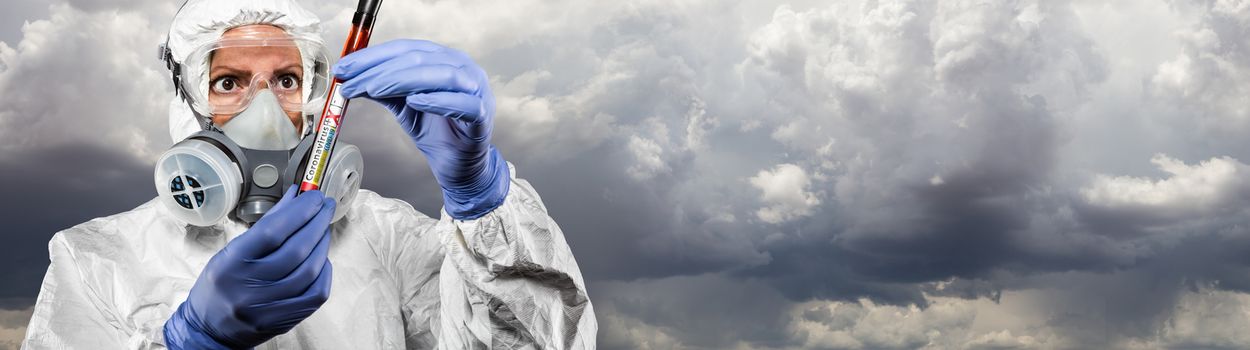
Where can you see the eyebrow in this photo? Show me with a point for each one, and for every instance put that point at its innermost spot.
(291, 67)
(224, 70)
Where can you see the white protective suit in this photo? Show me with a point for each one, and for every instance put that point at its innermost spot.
(401, 279)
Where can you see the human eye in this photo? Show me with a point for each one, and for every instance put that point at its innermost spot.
(225, 85)
(288, 82)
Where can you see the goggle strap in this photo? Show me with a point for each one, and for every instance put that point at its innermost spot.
(175, 74)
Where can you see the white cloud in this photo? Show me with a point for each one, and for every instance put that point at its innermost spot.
(698, 125)
(1003, 340)
(865, 325)
(1206, 319)
(547, 126)
(627, 332)
(654, 149)
(648, 157)
(13, 327)
(711, 311)
(1187, 187)
(1018, 320)
(87, 78)
(785, 193)
(1028, 318)
(1023, 319)
(1206, 79)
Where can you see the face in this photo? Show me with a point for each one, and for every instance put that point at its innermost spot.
(235, 72)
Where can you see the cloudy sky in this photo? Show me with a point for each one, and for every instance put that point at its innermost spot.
(843, 174)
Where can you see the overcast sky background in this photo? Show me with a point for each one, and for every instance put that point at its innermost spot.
(763, 174)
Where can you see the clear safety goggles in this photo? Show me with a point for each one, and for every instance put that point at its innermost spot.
(223, 76)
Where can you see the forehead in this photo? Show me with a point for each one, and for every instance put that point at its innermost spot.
(255, 48)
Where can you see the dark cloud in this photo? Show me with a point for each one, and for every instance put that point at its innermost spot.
(52, 189)
(966, 224)
(849, 174)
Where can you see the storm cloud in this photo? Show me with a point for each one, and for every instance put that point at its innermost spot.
(858, 174)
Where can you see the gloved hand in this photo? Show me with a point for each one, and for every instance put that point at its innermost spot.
(263, 282)
(442, 99)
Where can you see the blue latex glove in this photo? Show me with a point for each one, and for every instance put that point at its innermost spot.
(442, 99)
(263, 282)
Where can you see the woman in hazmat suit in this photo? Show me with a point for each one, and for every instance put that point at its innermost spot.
(228, 256)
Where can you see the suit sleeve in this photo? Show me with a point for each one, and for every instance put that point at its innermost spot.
(509, 280)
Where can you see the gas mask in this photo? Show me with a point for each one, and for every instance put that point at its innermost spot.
(240, 169)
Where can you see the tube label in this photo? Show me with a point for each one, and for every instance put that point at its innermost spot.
(327, 132)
